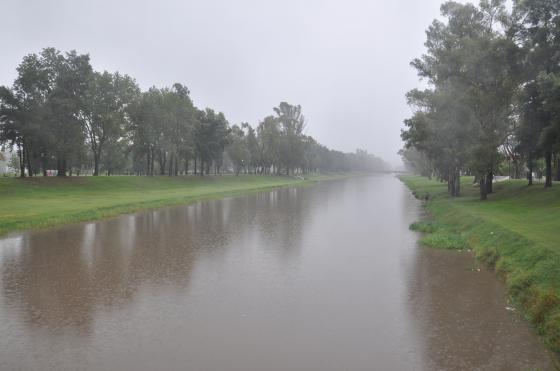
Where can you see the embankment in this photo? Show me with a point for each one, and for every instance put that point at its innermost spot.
(517, 231)
(41, 202)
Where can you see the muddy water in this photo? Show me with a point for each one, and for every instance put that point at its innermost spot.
(317, 278)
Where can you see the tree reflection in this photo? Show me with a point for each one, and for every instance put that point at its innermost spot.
(59, 279)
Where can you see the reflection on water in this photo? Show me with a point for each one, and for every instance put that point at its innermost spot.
(326, 277)
(462, 317)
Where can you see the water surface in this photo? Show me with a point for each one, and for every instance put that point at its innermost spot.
(326, 277)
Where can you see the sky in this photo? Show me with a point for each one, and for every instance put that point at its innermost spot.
(345, 62)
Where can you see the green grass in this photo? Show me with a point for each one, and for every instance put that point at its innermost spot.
(45, 202)
(517, 230)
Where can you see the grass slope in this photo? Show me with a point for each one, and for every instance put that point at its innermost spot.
(45, 202)
(517, 230)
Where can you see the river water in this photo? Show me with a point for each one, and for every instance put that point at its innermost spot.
(326, 277)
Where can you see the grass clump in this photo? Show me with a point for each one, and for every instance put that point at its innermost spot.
(515, 231)
(424, 227)
(444, 240)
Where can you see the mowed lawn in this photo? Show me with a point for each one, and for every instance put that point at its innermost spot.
(517, 230)
(533, 212)
(43, 202)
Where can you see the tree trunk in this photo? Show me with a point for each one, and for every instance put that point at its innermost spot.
(457, 183)
(489, 182)
(148, 163)
(530, 166)
(548, 176)
(170, 170)
(152, 162)
(195, 163)
(162, 161)
(96, 164)
(29, 168)
(44, 164)
(21, 162)
(557, 178)
(482, 182)
(61, 166)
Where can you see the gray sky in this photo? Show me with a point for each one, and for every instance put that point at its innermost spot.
(346, 62)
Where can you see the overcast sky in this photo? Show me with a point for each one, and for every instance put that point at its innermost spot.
(346, 62)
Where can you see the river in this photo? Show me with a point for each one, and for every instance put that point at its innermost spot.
(324, 277)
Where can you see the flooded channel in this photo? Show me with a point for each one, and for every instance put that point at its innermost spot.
(326, 277)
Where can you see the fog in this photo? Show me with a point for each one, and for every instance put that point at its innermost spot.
(346, 63)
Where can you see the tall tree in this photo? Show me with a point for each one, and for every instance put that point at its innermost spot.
(471, 54)
(292, 123)
(12, 124)
(145, 127)
(103, 114)
(268, 137)
(26, 129)
(65, 104)
(537, 28)
(182, 118)
(211, 135)
(252, 145)
(237, 149)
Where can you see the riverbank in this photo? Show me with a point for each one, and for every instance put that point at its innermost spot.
(515, 231)
(39, 202)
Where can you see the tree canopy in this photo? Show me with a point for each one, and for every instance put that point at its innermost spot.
(63, 117)
(493, 92)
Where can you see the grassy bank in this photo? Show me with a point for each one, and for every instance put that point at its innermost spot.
(45, 202)
(517, 230)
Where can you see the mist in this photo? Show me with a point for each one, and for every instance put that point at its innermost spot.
(346, 64)
(287, 185)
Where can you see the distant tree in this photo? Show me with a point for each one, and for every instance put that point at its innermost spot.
(237, 149)
(145, 129)
(268, 138)
(416, 161)
(12, 124)
(183, 124)
(14, 163)
(62, 114)
(292, 123)
(64, 106)
(40, 111)
(23, 106)
(211, 135)
(115, 156)
(441, 129)
(311, 160)
(103, 114)
(537, 28)
(471, 55)
(252, 145)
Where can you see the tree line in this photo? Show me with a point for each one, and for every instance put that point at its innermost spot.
(493, 101)
(62, 116)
